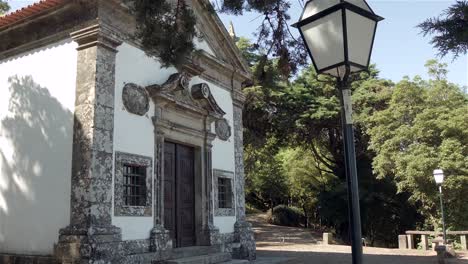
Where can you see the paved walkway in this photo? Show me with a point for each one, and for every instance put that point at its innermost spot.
(290, 245)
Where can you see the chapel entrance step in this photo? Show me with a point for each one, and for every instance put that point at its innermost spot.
(237, 261)
(186, 252)
(214, 258)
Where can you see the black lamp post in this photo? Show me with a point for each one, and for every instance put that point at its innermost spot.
(439, 179)
(339, 35)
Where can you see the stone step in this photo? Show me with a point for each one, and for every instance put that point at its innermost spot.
(14, 259)
(186, 252)
(202, 259)
(236, 261)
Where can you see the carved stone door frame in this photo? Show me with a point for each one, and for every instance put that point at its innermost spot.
(185, 115)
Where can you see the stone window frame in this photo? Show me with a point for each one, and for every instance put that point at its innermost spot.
(217, 173)
(120, 209)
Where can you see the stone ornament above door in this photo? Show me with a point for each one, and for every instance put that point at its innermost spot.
(135, 99)
(197, 99)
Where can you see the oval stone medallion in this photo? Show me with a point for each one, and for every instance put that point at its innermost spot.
(135, 99)
(223, 129)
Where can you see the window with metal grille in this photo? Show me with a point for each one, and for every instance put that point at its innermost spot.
(224, 193)
(134, 185)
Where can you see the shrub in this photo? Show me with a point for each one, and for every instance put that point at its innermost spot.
(286, 216)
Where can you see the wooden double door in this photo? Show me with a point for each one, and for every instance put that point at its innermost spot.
(179, 193)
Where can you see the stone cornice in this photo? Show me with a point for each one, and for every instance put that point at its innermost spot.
(238, 99)
(96, 35)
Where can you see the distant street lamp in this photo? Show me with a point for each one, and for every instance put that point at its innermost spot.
(439, 179)
(339, 35)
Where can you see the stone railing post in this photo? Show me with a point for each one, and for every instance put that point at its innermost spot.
(402, 242)
(463, 242)
(90, 232)
(424, 242)
(410, 241)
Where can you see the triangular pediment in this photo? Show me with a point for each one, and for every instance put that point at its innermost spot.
(215, 39)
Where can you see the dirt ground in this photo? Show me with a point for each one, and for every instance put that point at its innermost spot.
(290, 245)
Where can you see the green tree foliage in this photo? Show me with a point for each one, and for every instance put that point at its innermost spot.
(304, 179)
(303, 117)
(266, 185)
(425, 127)
(4, 7)
(166, 31)
(449, 29)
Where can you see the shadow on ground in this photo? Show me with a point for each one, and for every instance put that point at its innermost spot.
(283, 257)
(292, 245)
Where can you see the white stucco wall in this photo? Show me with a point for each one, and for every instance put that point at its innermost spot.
(223, 151)
(37, 98)
(135, 134)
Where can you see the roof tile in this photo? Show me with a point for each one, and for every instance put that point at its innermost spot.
(29, 11)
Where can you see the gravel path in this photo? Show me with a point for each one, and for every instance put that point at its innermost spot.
(290, 245)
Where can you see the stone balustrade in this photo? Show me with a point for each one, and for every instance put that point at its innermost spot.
(407, 241)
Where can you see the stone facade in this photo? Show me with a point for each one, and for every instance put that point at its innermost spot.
(90, 230)
(243, 230)
(183, 113)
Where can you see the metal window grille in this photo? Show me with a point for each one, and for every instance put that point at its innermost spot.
(224, 193)
(134, 186)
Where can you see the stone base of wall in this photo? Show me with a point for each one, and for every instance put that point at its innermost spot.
(17, 259)
(239, 244)
(244, 235)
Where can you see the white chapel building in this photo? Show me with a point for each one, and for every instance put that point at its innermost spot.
(108, 157)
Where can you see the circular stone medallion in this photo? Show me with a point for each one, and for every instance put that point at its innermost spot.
(223, 129)
(135, 99)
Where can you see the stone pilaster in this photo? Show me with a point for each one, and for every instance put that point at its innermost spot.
(90, 237)
(160, 238)
(242, 229)
(210, 230)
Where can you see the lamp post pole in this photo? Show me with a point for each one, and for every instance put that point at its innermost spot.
(339, 36)
(439, 179)
(351, 169)
(443, 215)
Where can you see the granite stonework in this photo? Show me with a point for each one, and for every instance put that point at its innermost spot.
(135, 99)
(91, 237)
(242, 229)
(217, 210)
(243, 233)
(120, 209)
(200, 109)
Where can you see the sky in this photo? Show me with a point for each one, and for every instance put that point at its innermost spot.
(399, 48)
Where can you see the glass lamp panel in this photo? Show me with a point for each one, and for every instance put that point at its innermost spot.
(355, 69)
(324, 37)
(337, 72)
(360, 3)
(315, 6)
(361, 32)
(439, 176)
